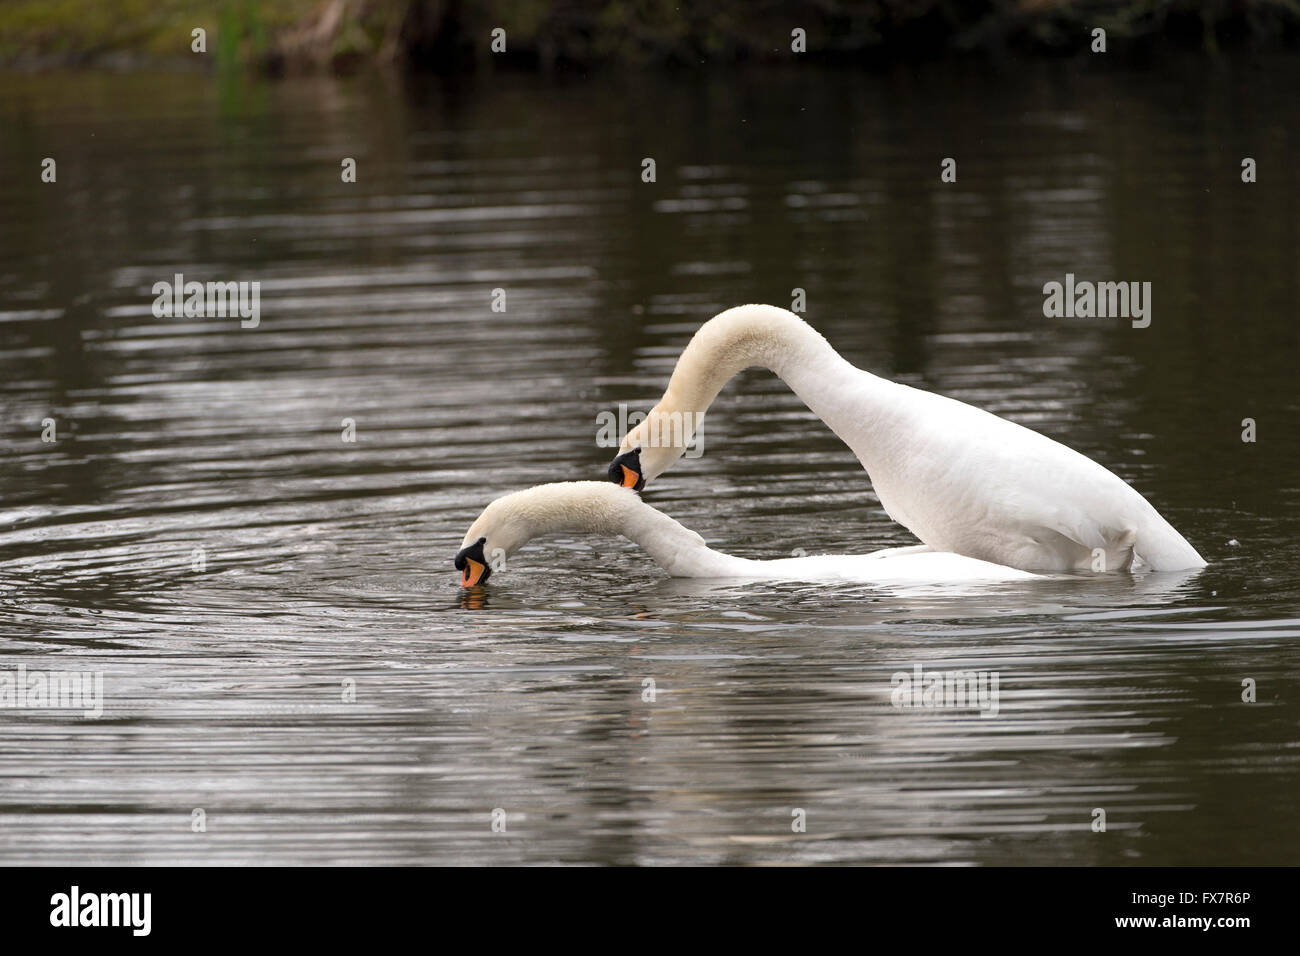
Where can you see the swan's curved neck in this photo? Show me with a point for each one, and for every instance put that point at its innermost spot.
(599, 507)
(735, 340)
(674, 547)
(763, 335)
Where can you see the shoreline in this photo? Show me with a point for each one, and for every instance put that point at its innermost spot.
(447, 37)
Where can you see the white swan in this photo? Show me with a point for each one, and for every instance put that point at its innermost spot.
(602, 508)
(957, 477)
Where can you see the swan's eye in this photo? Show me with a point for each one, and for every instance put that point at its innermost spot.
(625, 470)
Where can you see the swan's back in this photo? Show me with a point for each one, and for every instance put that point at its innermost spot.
(964, 480)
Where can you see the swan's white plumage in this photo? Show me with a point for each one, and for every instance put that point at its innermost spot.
(600, 507)
(959, 478)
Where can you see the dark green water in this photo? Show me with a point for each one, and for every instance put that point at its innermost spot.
(328, 564)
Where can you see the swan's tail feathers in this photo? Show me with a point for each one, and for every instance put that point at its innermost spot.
(1163, 549)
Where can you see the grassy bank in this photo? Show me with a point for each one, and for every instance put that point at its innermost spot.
(455, 35)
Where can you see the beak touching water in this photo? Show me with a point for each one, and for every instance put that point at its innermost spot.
(625, 470)
(472, 564)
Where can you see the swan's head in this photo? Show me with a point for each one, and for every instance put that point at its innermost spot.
(513, 520)
(473, 564)
(495, 535)
(650, 449)
(626, 469)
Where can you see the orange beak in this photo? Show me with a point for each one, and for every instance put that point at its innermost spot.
(630, 477)
(473, 571)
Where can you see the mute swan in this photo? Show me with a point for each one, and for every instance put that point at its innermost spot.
(600, 507)
(957, 477)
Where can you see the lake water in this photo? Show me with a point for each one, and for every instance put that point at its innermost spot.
(282, 639)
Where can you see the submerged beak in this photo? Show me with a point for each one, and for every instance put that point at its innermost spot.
(625, 470)
(472, 564)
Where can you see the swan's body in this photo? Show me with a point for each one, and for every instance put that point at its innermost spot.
(603, 508)
(959, 478)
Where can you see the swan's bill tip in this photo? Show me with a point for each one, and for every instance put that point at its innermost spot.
(474, 573)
